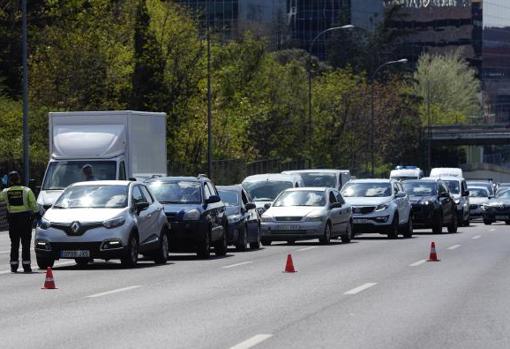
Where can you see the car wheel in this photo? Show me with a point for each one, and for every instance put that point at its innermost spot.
(452, 227)
(131, 258)
(266, 242)
(162, 254)
(326, 239)
(44, 263)
(242, 239)
(256, 245)
(487, 222)
(81, 262)
(347, 237)
(393, 234)
(220, 246)
(204, 249)
(408, 231)
(437, 225)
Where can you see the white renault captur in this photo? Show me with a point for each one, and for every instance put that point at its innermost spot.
(104, 220)
(380, 206)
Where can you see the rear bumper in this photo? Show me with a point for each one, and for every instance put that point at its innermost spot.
(275, 231)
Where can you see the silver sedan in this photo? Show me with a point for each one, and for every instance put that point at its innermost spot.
(105, 220)
(307, 213)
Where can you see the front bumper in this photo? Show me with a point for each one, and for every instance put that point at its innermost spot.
(496, 213)
(283, 231)
(423, 215)
(375, 222)
(186, 236)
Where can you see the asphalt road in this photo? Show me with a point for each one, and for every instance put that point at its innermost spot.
(372, 293)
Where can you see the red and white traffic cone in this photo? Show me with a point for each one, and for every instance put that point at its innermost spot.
(49, 282)
(433, 254)
(289, 266)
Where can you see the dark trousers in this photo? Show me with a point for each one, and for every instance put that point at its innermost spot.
(20, 230)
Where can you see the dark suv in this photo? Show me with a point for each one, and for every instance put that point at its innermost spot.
(432, 205)
(195, 212)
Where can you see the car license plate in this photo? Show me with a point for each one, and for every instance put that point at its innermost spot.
(75, 254)
(361, 221)
(289, 227)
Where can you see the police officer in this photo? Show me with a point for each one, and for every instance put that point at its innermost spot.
(21, 206)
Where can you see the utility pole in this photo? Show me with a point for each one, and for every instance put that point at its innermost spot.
(209, 97)
(429, 151)
(24, 58)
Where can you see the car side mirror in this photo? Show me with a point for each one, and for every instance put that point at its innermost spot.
(250, 206)
(466, 193)
(213, 199)
(267, 206)
(140, 206)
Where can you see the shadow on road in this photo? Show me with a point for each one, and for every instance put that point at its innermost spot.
(109, 266)
(193, 257)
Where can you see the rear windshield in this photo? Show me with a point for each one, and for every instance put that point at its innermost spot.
(366, 190)
(419, 188)
(318, 179)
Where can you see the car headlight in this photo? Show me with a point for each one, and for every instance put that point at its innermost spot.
(426, 203)
(382, 207)
(192, 215)
(267, 218)
(114, 223)
(234, 218)
(457, 201)
(44, 224)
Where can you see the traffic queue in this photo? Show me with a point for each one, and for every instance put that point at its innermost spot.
(123, 219)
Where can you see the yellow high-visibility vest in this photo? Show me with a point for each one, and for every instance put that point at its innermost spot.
(19, 199)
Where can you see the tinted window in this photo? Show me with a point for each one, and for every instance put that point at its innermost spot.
(339, 197)
(122, 171)
(419, 188)
(147, 195)
(212, 188)
(177, 192)
(366, 190)
(108, 196)
(453, 185)
(266, 190)
(332, 198)
(319, 179)
(300, 198)
(137, 195)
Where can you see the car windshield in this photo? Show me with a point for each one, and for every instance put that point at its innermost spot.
(403, 178)
(454, 186)
(418, 188)
(488, 186)
(61, 174)
(229, 197)
(504, 195)
(300, 198)
(177, 192)
(478, 193)
(266, 190)
(366, 190)
(93, 196)
(319, 179)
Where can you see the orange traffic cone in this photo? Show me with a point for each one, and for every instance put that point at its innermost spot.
(433, 254)
(49, 282)
(289, 267)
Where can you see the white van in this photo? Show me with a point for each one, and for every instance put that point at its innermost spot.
(446, 172)
(323, 178)
(406, 174)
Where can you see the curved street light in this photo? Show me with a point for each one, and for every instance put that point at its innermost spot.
(347, 26)
(372, 112)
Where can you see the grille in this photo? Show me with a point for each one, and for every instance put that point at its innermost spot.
(83, 228)
(288, 219)
(363, 210)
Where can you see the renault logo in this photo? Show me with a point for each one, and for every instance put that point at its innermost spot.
(75, 227)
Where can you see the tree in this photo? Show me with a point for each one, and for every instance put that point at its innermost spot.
(448, 86)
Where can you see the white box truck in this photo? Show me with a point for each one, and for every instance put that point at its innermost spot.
(102, 145)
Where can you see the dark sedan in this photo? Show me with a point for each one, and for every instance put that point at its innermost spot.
(195, 212)
(432, 205)
(243, 218)
(497, 209)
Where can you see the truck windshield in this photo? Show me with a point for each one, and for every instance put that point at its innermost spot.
(61, 174)
(319, 179)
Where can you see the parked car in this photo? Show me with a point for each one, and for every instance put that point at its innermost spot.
(243, 217)
(488, 184)
(264, 188)
(432, 205)
(195, 213)
(380, 206)
(105, 220)
(477, 197)
(323, 178)
(497, 209)
(307, 213)
(460, 193)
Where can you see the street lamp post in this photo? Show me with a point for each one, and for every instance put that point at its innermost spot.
(348, 26)
(209, 96)
(372, 111)
(24, 54)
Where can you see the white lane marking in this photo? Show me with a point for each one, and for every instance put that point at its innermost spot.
(236, 265)
(4, 252)
(420, 262)
(124, 289)
(306, 249)
(253, 341)
(476, 237)
(453, 247)
(360, 288)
